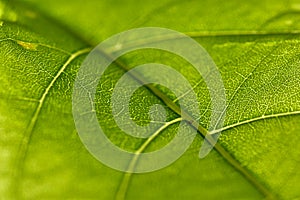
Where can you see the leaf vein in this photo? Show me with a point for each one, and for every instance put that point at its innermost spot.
(23, 147)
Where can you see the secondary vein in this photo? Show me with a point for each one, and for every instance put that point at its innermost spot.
(23, 148)
(254, 119)
(121, 192)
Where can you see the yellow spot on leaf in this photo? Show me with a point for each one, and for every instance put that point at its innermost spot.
(28, 45)
(1, 23)
(30, 14)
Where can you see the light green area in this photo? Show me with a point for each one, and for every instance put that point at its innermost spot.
(255, 45)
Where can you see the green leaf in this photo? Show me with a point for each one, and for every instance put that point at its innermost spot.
(255, 46)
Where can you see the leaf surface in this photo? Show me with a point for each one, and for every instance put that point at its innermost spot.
(255, 46)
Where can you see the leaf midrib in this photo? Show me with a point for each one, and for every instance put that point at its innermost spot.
(231, 160)
(203, 132)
